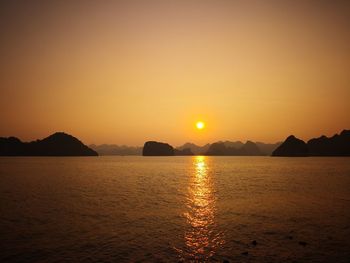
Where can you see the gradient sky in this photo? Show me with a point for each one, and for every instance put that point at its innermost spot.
(129, 71)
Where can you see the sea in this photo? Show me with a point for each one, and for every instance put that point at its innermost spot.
(174, 209)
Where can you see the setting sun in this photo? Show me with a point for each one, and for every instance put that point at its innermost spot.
(200, 125)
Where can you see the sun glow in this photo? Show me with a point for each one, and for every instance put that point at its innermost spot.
(200, 125)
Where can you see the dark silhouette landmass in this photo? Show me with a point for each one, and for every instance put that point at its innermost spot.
(292, 146)
(57, 144)
(152, 148)
(247, 149)
(112, 149)
(337, 145)
(62, 144)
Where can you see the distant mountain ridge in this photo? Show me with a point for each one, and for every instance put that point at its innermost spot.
(57, 144)
(195, 149)
(337, 145)
(113, 149)
(232, 148)
(247, 149)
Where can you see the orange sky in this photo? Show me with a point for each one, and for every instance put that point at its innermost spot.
(129, 71)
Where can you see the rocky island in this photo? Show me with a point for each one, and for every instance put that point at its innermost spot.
(57, 144)
(337, 145)
(153, 148)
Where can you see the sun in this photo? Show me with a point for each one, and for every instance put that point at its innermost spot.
(200, 125)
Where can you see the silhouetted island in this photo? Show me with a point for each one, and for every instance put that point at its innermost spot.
(337, 145)
(152, 148)
(57, 144)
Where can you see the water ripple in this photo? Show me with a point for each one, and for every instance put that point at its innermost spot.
(202, 237)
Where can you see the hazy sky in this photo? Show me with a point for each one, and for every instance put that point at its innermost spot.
(129, 71)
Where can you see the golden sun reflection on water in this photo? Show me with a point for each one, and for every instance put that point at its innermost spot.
(202, 237)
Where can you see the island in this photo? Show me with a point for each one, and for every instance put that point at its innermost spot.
(57, 144)
(337, 145)
(153, 148)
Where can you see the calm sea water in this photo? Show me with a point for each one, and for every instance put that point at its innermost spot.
(170, 209)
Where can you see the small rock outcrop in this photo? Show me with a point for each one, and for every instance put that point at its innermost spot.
(152, 148)
(291, 147)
